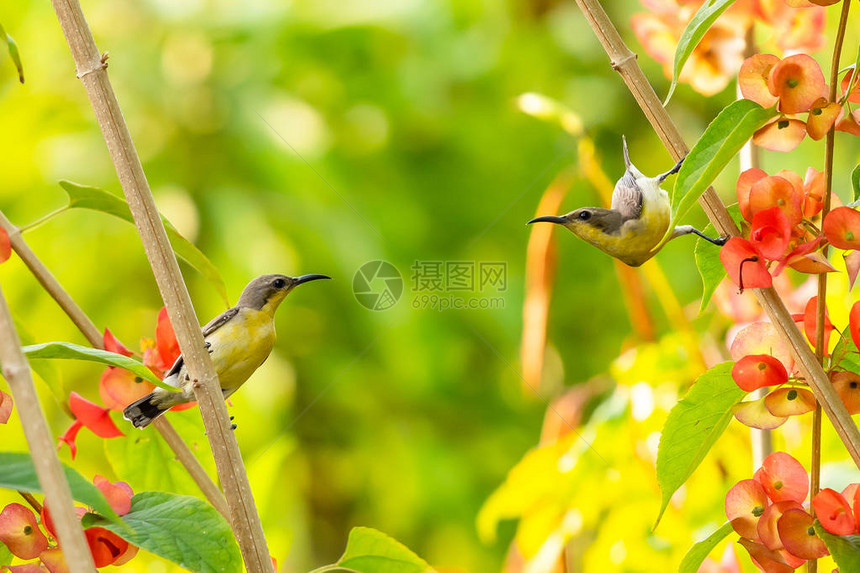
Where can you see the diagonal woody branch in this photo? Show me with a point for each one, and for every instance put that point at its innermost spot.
(624, 62)
(58, 496)
(92, 334)
(91, 69)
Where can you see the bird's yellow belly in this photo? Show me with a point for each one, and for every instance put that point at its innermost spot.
(240, 347)
(640, 236)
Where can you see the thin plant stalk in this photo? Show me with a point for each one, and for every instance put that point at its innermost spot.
(58, 496)
(821, 306)
(91, 70)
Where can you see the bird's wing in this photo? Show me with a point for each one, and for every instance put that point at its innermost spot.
(210, 327)
(627, 197)
(219, 321)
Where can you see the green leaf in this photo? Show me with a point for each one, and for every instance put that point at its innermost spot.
(722, 140)
(845, 549)
(371, 551)
(47, 371)
(710, 267)
(5, 555)
(69, 351)
(844, 355)
(855, 183)
(698, 552)
(693, 426)
(146, 462)
(85, 197)
(708, 262)
(13, 53)
(693, 34)
(18, 472)
(180, 528)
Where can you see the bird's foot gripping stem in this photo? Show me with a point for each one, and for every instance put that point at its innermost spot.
(672, 171)
(689, 229)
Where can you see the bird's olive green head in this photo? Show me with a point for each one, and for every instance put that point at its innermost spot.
(588, 223)
(267, 291)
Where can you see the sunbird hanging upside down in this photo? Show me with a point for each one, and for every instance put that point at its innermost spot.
(636, 222)
(239, 341)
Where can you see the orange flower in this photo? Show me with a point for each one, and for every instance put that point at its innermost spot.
(757, 371)
(822, 116)
(88, 415)
(842, 228)
(833, 512)
(798, 536)
(20, 532)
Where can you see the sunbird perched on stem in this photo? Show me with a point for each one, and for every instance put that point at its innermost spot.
(636, 221)
(239, 340)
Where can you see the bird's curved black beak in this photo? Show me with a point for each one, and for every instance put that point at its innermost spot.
(308, 278)
(549, 219)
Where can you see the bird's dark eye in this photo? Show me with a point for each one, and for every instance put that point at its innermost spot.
(584, 216)
(279, 283)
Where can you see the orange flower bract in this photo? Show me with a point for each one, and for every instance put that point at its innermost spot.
(744, 264)
(745, 504)
(20, 532)
(798, 82)
(783, 478)
(798, 537)
(834, 512)
(842, 228)
(757, 371)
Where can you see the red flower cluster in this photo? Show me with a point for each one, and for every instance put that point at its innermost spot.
(20, 532)
(795, 85)
(762, 361)
(777, 209)
(768, 513)
(118, 387)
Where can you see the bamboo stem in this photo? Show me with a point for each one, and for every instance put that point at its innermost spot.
(92, 334)
(91, 69)
(58, 496)
(624, 62)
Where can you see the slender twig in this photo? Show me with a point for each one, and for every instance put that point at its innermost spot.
(42, 220)
(91, 69)
(28, 497)
(820, 310)
(58, 496)
(92, 334)
(624, 61)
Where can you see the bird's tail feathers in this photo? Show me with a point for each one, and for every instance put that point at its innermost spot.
(143, 411)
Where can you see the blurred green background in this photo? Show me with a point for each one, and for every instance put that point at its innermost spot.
(312, 137)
